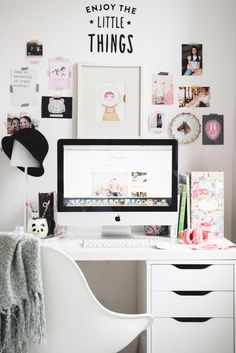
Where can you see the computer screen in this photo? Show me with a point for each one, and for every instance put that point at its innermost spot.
(129, 182)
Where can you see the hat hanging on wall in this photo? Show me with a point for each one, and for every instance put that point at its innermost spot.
(34, 142)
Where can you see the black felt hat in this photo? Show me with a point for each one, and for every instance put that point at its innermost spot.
(34, 142)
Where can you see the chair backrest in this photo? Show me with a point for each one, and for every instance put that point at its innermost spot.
(76, 321)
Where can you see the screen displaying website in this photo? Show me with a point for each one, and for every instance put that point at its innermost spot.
(117, 175)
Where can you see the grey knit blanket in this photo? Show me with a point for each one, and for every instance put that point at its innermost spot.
(22, 316)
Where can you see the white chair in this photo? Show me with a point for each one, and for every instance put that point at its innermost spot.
(76, 321)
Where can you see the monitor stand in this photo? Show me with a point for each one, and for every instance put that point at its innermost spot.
(116, 232)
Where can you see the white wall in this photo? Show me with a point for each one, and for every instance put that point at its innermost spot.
(159, 29)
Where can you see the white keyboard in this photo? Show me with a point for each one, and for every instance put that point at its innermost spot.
(116, 243)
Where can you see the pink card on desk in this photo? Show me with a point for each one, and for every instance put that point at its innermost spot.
(207, 201)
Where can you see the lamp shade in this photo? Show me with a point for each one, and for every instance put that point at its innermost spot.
(21, 157)
(35, 143)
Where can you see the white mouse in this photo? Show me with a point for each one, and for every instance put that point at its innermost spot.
(162, 246)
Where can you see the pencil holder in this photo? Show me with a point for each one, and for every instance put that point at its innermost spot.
(38, 227)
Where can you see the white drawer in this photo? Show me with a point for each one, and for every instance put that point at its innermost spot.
(189, 304)
(192, 277)
(212, 336)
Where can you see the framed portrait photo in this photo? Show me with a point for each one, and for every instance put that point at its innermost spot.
(192, 59)
(109, 101)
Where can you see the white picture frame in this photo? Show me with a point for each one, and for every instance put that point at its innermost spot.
(121, 117)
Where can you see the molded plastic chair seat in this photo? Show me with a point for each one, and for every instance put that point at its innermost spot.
(76, 321)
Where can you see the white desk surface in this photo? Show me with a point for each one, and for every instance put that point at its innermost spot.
(176, 251)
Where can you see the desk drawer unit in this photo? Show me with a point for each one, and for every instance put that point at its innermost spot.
(208, 336)
(192, 277)
(193, 306)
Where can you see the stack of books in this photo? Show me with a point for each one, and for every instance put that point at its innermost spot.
(184, 203)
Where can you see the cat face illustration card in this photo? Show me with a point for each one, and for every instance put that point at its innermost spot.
(57, 107)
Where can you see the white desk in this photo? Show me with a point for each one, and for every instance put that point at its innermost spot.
(191, 293)
(176, 251)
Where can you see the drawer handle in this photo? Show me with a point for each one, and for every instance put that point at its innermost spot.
(192, 319)
(191, 267)
(192, 292)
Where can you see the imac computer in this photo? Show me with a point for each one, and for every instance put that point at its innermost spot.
(115, 183)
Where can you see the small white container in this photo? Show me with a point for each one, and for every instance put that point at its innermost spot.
(38, 227)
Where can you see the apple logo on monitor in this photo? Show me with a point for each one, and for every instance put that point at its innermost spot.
(117, 218)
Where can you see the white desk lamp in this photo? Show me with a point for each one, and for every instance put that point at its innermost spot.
(21, 157)
(26, 149)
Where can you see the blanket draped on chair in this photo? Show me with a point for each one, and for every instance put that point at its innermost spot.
(22, 315)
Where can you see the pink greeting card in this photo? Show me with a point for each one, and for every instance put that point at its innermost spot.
(59, 73)
(162, 89)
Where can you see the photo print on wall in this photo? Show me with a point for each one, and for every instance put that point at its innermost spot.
(192, 59)
(18, 121)
(155, 122)
(213, 129)
(193, 97)
(162, 89)
(34, 48)
(57, 107)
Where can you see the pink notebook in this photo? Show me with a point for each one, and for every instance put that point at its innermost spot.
(207, 201)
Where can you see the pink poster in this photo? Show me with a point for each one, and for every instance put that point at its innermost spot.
(59, 73)
(162, 89)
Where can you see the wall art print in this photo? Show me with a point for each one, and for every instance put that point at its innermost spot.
(24, 87)
(213, 129)
(59, 73)
(57, 107)
(110, 28)
(162, 89)
(110, 101)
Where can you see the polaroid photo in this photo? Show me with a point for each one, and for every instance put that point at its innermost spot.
(155, 122)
